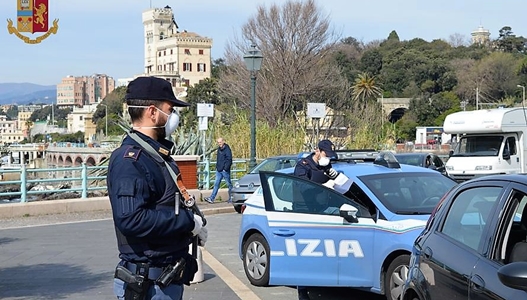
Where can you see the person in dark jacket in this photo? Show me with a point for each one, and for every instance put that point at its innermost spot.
(315, 167)
(223, 169)
(152, 235)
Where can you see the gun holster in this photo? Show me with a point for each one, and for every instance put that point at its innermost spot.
(137, 285)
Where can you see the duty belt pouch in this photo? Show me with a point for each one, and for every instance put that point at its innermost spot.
(191, 268)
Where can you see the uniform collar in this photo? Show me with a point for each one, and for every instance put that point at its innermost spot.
(162, 147)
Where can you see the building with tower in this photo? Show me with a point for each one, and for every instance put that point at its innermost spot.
(481, 36)
(181, 57)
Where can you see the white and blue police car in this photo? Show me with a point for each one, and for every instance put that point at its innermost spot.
(359, 233)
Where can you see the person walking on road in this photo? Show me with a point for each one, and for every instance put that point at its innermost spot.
(317, 168)
(223, 169)
(153, 229)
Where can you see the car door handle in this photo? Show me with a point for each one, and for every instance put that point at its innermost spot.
(427, 253)
(284, 232)
(477, 283)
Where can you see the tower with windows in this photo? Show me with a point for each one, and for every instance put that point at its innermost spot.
(182, 57)
(481, 36)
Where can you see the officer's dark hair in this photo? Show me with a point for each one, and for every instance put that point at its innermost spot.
(136, 113)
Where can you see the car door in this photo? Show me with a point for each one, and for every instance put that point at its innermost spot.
(439, 164)
(308, 239)
(452, 249)
(507, 230)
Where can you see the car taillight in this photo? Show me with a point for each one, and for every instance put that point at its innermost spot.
(243, 208)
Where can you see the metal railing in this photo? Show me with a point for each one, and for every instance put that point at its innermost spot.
(84, 179)
(89, 178)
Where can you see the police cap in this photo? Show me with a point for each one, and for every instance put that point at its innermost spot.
(152, 88)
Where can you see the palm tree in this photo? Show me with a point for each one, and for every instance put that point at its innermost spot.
(365, 88)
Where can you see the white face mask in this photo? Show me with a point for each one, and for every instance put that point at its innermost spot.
(323, 161)
(172, 120)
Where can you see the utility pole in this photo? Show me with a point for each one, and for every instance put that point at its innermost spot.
(477, 98)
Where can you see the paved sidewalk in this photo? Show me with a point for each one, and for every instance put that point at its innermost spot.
(71, 256)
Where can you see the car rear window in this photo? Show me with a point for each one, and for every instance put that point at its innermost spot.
(408, 193)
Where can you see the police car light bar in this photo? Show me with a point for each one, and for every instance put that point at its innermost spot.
(387, 159)
(362, 155)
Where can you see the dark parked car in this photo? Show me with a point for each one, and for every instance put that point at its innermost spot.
(474, 244)
(420, 159)
(246, 185)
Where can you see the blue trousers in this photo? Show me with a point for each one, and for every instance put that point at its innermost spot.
(171, 292)
(219, 177)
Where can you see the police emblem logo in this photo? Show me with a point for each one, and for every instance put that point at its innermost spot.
(32, 17)
(131, 154)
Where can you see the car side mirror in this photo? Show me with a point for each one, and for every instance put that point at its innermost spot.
(506, 154)
(514, 275)
(349, 213)
(450, 153)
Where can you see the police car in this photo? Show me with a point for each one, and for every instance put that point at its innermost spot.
(357, 234)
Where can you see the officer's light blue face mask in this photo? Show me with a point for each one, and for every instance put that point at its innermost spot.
(172, 120)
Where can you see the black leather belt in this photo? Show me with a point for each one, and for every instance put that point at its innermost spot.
(153, 272)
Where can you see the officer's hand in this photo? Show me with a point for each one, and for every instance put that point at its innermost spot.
(332, 173)
(198, 225)
(202, 236)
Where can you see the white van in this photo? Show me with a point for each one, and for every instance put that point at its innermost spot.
(490, 141)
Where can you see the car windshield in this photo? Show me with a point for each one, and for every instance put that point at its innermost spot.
(410, 159)
(274, 164)
(478, 146)
(409, 193)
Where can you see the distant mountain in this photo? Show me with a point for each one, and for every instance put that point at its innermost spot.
(24, 93)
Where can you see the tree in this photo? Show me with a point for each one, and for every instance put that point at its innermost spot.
(457, 40)
(206, 91)
(296, 42)
(508, 42)
(365, 88)
(114, 101)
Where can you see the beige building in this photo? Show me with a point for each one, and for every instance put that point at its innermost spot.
(84, 90)
(481, 36)
(80, 119)
(181, 57)
(8, 131)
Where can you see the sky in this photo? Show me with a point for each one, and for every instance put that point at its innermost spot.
(106, 36)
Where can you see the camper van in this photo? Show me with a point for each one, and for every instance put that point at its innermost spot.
(490, 141)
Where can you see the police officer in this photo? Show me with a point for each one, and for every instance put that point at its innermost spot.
(315, 167)
(153, 237)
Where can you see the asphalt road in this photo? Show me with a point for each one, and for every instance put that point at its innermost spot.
(51, 259)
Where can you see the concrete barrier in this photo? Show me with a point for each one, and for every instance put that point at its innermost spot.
(49, 207)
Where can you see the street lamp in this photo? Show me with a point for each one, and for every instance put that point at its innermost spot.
(523, 90)
(105, 119)
(253, 60)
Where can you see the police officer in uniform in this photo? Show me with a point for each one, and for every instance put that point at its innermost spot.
(315, 167)
(153, 234)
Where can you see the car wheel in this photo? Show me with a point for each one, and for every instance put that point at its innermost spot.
(238, 208)
(396, 276)
(256, 260)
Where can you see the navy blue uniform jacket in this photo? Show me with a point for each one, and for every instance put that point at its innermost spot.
(224, 158)
(142, 201)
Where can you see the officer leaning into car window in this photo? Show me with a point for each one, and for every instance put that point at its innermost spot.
(153, 240)
(315, 167)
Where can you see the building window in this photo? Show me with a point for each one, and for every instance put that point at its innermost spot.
(187, 67)
(187, 51)
(171, 51)
(164, 53)
(159, 54)
(202, 67)
(200, 51)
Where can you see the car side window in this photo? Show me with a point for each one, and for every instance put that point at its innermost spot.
(294, 194)
(469, 214)
(511, 143)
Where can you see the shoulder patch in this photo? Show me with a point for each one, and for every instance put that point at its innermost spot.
(132, 153)
(304, 162)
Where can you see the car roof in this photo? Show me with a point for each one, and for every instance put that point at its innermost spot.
(282, 156)
(413, 154)
(361, 169)
(517, 178)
